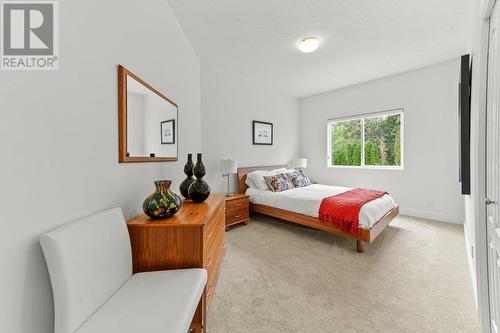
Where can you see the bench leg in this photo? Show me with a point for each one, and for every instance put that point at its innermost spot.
(198, 324)
(203, 324)
(360, 247)
(204, 318)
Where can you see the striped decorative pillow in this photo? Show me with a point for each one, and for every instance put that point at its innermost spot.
(278, 183)
(299, 179)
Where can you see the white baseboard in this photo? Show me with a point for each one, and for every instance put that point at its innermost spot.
(428, 214)
(472, 264)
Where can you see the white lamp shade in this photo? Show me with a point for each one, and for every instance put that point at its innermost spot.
(300, 162)
(228, 166)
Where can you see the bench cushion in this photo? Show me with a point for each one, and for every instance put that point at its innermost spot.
(152, 302)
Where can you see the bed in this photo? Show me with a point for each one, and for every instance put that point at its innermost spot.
(300, 205)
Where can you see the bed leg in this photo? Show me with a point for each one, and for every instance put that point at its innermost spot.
(360, 247)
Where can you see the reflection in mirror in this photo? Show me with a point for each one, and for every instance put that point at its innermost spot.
(151, 122)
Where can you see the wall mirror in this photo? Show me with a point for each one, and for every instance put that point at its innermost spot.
(148, 128)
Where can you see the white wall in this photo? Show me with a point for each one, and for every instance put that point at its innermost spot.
(428, 186)
(157, 110)
(59, 140)
(135, 124)
(229, 105)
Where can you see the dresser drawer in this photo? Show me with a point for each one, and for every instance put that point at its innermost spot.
(213, 262)
(213, 223)
(212, 245)
(213, 273)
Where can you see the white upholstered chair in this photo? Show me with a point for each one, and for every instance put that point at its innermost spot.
(90, 268)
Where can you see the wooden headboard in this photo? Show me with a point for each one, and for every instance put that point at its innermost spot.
(242, 174)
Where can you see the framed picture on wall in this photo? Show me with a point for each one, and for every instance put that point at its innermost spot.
(167, 129)
(262, 133)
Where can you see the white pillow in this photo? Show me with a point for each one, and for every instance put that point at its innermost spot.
(250, 183)
(255, 179)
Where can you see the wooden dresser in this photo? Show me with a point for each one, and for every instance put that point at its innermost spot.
(192, 238)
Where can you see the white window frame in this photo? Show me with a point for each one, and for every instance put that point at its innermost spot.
(362, 117)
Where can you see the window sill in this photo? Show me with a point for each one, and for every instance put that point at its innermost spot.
(366, 167)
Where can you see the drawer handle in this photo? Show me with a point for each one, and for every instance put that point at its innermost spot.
(239, 215)
(237, 205)
(209, 263)
(210, 234)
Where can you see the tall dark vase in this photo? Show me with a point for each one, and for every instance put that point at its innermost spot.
(199, 189)
(188, 170)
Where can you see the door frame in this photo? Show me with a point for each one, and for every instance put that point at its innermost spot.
(480, 62)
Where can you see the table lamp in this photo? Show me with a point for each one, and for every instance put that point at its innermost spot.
(228, 167)
(299, 163)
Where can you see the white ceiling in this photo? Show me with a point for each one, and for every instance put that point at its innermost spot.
(362, 40)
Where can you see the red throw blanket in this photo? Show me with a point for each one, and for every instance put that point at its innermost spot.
(343, 209)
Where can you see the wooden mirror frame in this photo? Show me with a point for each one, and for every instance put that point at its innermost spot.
(122, 119)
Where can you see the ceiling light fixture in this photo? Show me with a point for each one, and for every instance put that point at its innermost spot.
(308, 44)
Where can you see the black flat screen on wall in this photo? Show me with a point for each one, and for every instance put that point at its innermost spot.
(464, 119)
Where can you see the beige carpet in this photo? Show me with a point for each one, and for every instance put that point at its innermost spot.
(278, 277)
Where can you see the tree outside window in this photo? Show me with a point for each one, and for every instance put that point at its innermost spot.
(367, 141)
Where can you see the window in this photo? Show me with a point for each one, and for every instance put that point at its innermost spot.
(372, 141)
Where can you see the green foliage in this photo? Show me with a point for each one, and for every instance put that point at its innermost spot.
(384, 133)
(397, 148)
(346, 143)
(350, 154)
(382, 141)
(371, 155)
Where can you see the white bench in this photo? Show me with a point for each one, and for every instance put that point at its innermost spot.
(90, 268)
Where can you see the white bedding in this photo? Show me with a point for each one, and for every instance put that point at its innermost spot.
(306, 200)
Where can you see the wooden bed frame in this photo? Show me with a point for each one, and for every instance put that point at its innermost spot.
(365, 235)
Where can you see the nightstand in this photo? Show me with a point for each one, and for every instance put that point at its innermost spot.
(237, 209)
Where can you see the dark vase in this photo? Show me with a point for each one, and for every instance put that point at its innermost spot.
(163, 203)
(188, 170)
(199, 190)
